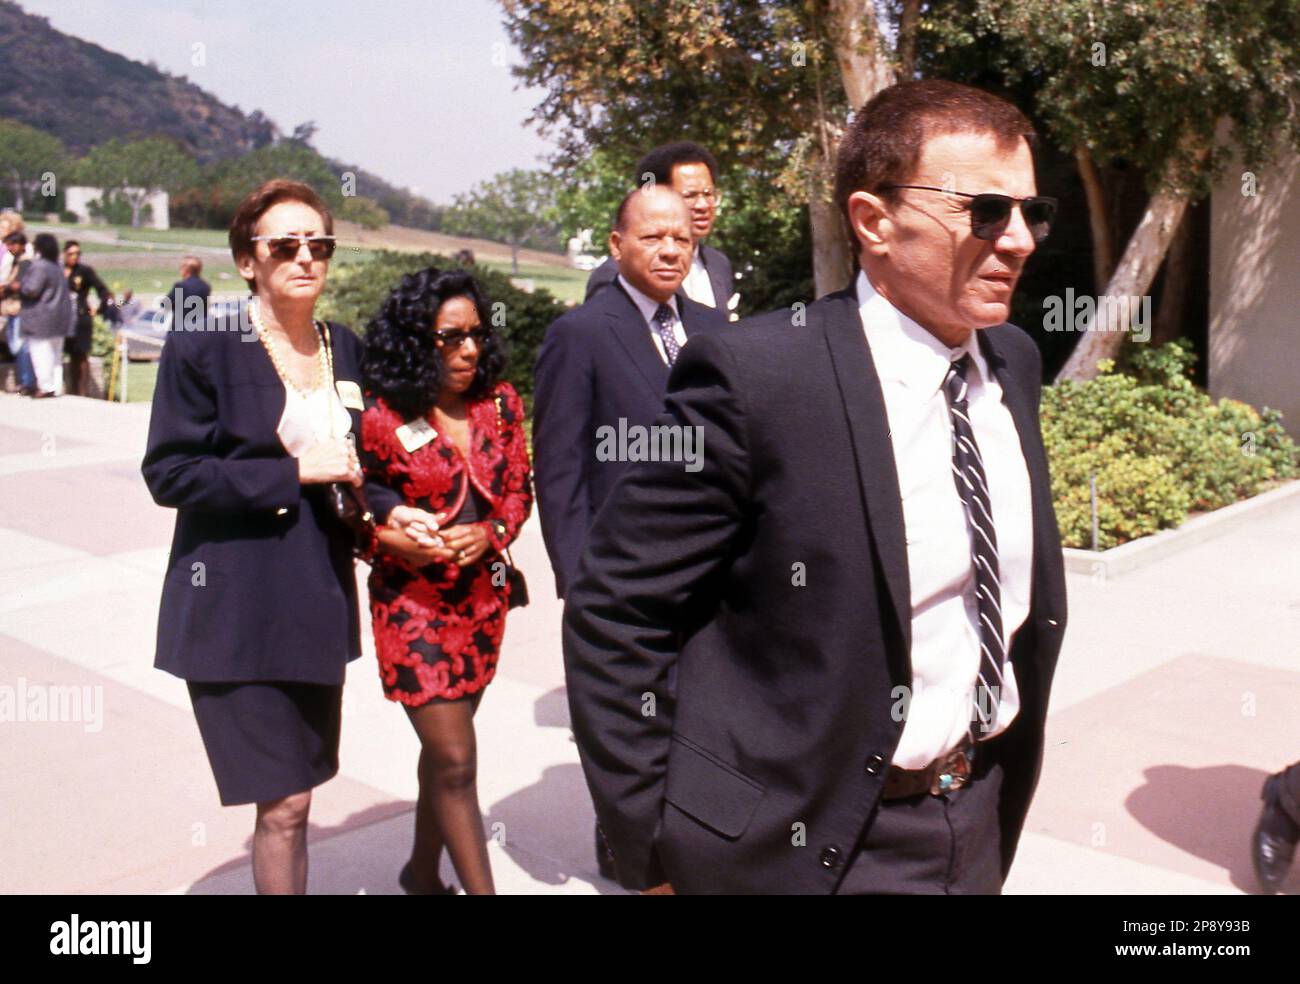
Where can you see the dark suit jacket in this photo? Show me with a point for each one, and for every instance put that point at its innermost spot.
(715, 262)
(781, 710)
(275, 595)
(181, 293)
(596, 364)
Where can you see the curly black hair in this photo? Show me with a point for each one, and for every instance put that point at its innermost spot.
(401, 364)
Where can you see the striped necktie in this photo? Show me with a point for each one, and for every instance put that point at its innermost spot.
(973, 489)
(664, 321)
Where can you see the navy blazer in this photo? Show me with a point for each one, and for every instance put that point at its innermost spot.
(260, 582)
(783, 707)
(597, 364)
(715, 263)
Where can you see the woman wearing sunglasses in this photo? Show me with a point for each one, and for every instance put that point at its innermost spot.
(251, 420)
(443, 433)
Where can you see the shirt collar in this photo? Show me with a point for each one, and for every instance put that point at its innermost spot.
(645, 304)
(904, 351)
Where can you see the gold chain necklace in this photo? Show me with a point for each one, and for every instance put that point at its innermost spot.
(324, 357)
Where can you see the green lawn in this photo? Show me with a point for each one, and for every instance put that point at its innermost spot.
(181, 237)
(150, 281)
(140, 380)
(564, 282)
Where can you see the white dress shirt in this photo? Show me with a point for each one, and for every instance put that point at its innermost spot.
(912, 365)
(698, 286)
(648, 306)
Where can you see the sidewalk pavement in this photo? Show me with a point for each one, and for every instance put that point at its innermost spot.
(1177, 693)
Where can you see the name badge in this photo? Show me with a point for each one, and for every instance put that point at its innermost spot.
(415, 434)
(350, 393)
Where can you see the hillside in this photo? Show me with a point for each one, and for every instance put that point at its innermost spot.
(84, 95)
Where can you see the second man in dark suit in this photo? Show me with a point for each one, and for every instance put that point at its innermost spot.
(607, 361)
(692, 172)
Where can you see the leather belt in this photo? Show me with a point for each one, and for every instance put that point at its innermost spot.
(943, 775)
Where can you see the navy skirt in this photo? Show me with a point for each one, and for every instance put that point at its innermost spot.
(267, 740)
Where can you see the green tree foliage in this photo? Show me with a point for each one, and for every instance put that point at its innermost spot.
(364, 212)
(212, 198)
(26, 155)
(515, 207)
(356, 291)
(766, 86)
(137, 170)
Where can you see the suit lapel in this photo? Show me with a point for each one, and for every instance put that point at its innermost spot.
(864, 407)
(627, 325)
(717, 279)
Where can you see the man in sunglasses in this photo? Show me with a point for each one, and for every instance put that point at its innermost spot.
(861, 593)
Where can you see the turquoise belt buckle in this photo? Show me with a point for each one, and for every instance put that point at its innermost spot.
(958, 774)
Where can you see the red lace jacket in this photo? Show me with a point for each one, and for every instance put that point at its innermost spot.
(429, 477)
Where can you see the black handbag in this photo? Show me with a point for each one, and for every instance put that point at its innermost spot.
(514, 576)
(348, 502)
(518, 584)
(351, 507)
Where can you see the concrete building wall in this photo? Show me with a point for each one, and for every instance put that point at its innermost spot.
(1254, 337)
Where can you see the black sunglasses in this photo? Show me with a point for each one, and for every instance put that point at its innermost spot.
(457, 338)
(286, 247)
(989, 213)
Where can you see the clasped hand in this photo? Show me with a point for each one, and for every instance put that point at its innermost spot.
(419, 537)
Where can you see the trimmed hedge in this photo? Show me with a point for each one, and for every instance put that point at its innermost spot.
(1159, 446)
(355, 292)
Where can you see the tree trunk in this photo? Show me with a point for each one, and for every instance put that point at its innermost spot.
(1173, 294)
(864, 65)
(1132, 279)
(18, 192)
(832, 258)
(907, 21)
(864, 70)
(514, 257)
(1103, 248)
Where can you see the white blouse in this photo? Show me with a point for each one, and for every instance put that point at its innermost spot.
(307, 419)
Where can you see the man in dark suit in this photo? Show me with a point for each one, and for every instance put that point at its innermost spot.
(607, 362)
(861, 594)
(189, 296)
(692, 172)
(602, 371)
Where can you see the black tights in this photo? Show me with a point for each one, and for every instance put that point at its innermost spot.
(447, 812)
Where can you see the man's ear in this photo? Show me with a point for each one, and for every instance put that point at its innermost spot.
(869, 220)
(615, 245)
(244, 264)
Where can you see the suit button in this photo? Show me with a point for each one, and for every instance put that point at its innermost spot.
(282, 511)
(874, 765)
(830, 857)
(1052, 622)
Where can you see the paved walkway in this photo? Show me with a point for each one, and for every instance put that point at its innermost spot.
(1178, 692)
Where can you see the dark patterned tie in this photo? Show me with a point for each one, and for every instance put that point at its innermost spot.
(664, 321)
(972, 487)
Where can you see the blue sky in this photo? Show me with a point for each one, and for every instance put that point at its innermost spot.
(416, 91)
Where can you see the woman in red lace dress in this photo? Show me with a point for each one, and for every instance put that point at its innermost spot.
(448, 438)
